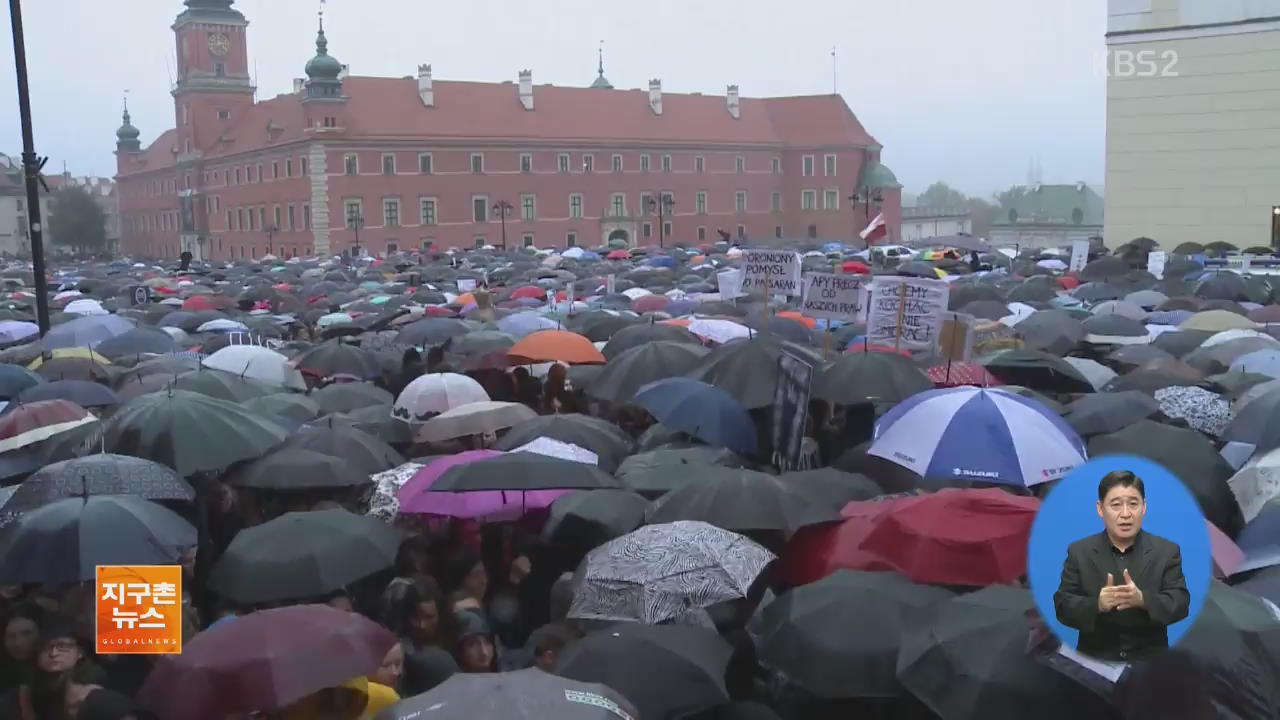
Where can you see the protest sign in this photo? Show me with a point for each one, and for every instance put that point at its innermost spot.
(1079, 255)
(1155, 263)
(466, 285)
(957, 337)
(831, 296)
(906, 312)
(771, 272)
(730, 283)
(790, 408)
(141, 295)
(610, 284)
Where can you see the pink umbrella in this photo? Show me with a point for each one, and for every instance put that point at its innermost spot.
(650, 303)
(1226, 555)
(416, 496)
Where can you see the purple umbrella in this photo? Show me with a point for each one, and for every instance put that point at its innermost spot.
(415, 497)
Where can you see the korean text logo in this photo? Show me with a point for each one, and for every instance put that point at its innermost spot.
(139, 609)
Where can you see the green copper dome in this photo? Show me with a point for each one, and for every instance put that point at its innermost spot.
(127, 131)
(323, 66)
(209, 4)
(878, 176)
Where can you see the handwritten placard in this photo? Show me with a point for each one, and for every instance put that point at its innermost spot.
(729, 283)
(771, 272)
(1155, 263)
(907, 312)
(831, 296)
(1079, 255)
(610, 284)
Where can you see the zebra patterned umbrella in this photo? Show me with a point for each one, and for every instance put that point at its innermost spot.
(661, 572)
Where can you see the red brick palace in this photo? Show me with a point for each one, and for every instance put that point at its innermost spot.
(382, 164)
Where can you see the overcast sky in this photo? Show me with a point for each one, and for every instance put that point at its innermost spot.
(967, 92)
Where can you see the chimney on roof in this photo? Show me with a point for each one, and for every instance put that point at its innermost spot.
(342, 74)
(425, 89)
(526, 89)
(655, 96)
(731, 101)
(299, 84)
(1080, 186)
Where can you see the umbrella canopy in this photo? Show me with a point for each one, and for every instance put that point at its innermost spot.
(474, 419)
(296, 468)
(662, 572)
(835, 487)
(634, 336)
(1054, 331)
(819, 638)
(632, 369)
(38, 421)
(415, 496)
(1037, 370)
(529, 694)
(587, 518)
(748, 370)
(345, 397)
(606, 440)
(64, 542)
(436, 393)
(288, 408)
(1216, 321)
(85, 332)
(1220, 668)
(137, 341)
(335, 358)
(1260, 538)
(1186, 453)
(14, 379)
(742, 501)
(974, 434)
(966, 657)
(254, 362)
(364, 452)
(704, 411)
(222, 385)
(523, 471)
(1203, 410)
(862, 377)
(302, 555)
(1101, 413)
(101, 474)
(264, 661)
(666, 671)
(555, 346)
(954, 536)
(82, 393)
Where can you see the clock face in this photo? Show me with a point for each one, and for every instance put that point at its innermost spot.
(219, 44)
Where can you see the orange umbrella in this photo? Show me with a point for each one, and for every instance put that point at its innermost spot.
(465, 299)
(553, 346)
(802, 319)
(683, 322)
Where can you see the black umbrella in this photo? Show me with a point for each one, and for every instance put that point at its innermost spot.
(431, 331)
(293, 468)
(1129, 357)
(85, 394)
(1181, 342)
(748, 369)
(1093, 292)
(137, 341)
(363, 451)
(522, 695)
(780, 328)
(1054, 331)
(334, 357)
(1233, 384)
(587, 518)
(302, 555)
(667, 671)
(634, 336)
(601, 437)
(986, 309)
(171, 365)
(659, 471)
(1112, 328)
(14, 379)
(1257, 423)
(101, 474)
(966, 657)
(835, 487)
(1225, 666)
(347, 396)
(741, 501)
(292, 408)
(64, 542)
(1102, 413)
(870, 377)
(1186, 453)
(523, 471)
(1219, 358)
(1105, 268)
(839, 637)
(1155, 375)
(1037, 370)
(375, 420)
(222, 385)
(1264, 583)
(1033, 290)
(1221, 285)
(189, 432)
(631, 370)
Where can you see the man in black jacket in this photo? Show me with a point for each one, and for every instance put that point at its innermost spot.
(1122, 587)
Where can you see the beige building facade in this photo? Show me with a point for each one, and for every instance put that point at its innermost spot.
(1193, 121)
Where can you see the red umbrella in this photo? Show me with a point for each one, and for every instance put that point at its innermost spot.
(864, 347)
(853, 267)
(529, 291)
(951, 537)
(199, 303)
(438, 311)
(1067, 282)
(618, 255)
(957, 374)
(1227, 556)
(650, 303)
(264, 661)
(32, 422)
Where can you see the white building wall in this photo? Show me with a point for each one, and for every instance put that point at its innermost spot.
(914, 229)
(1193, 152)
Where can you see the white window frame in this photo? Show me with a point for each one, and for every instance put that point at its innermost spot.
(528, 207)
(486, 214)
(702, 233)
(423, 202)
(618, 204)
(571, 239)
(828, 194)
(472, 161)
(575, 212)
(807, 166)
(700, 202)
(350, 164)
(588, 163)
(808, 200)
(666, 163)
(527, 240)
(776, 166)
(429, 164)
(616, 163)
(740, 201)
(646, 230)
(829, 165)
(740, 164)
(699, 164)
(526, 162)
(346, 212)
(775, 202)
(777, 231)
(387, 204)
(645, 164)
(564, 163)
(385, 157)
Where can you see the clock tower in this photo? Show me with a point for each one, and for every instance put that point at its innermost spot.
(213, 88)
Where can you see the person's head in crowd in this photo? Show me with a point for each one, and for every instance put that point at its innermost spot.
(391, 669)
(344, 702)
(60, 648)
(340, 600)
(426, 668)
(21, 632)
(467, 575)
(415, 610)
(474, 651)
(435, 356)
(103, 704)
(548, 642)
(413, 557)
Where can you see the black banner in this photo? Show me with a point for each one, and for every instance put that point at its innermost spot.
(790, 408)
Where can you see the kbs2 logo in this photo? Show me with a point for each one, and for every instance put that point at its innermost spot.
(1137, 64)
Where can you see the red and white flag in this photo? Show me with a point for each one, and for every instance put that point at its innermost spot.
(876, 230)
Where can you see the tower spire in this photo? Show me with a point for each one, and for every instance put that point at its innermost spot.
(601, 81)
(600, 55)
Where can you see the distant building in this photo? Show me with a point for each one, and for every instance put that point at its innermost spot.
(103, 192)
(922, 223)
(347, 163)
(15, 228)
(1193, 94)
(1049, 216)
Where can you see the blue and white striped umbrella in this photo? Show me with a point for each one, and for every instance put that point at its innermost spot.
(978, 434)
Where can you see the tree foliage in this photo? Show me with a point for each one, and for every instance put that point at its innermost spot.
(78, 221)
(1009, 198)
(942, 196)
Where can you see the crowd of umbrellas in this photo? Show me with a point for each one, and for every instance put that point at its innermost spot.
(868, 584)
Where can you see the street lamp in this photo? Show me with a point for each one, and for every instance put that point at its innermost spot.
(503, 208)
(866, 197)
(271, 231)
(1275, 226)
(664, 208)
(355, 221)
